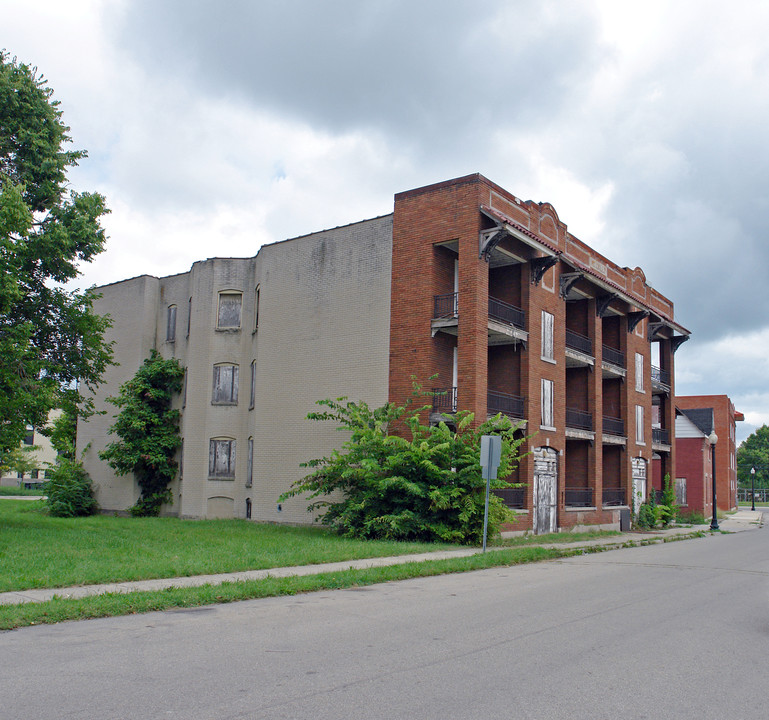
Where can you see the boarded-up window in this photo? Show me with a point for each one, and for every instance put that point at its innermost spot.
(547, 336)
(171, 324)
(221, 458)
(639, 372)
(681, 491)
(547, 403)
(250, 463)
(229, 310)
(252, 395)
(639, 423)
(225, 385)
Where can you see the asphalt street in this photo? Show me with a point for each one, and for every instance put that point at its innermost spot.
(678, 630)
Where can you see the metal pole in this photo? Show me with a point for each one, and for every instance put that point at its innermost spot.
(714, 521)
(753, 488)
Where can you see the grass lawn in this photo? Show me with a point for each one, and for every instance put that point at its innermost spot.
(18, 491)
(39, 551)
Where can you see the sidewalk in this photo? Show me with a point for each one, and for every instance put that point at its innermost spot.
(740, 521)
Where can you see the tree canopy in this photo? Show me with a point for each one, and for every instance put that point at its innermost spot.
(51, 341)
(754, 453)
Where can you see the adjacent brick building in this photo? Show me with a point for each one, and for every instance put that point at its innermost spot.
(465, 282)
(698, 416)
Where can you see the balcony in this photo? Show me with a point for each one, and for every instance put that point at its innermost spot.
(660, 437)
(507, 313)
(613, 431)
(660, 380)
(510, 405)
(613, 497)
(579, 419)
(612, 362)
(507, 323)
(512, 497)
(578, 497)
(579, 424)
(579, 350)
(444, 400)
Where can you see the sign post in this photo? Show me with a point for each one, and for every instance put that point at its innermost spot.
(491, 454)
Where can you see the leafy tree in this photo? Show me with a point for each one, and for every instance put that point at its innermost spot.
(421, 484)
(754, 453)
(20, 459)
(49, 336)
(149, 431)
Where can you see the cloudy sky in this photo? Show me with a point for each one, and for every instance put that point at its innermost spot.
(214, 127)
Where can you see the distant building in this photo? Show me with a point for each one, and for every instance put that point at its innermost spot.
(41, 454)
(464, 281)
(698, 416)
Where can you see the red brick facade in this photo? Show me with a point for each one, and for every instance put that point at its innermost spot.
(602, 317)
(725, 417)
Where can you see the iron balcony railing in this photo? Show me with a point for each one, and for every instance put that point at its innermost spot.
(661, 436)
(445, 400)
(660, 376)
(507, 313)
(512, 497)
(613, 496)
(511, 405)
(578, 497)
(613, 426)
(579, 419)
(578, 342)
(614, 356)
(446, 306)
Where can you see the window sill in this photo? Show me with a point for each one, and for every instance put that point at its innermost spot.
(228, 330)
(548, 428)
(225, 479)
(552, 361)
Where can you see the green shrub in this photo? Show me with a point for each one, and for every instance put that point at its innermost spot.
(668, 515)
(422, 484)
(69, 490)
(148, 428)
(692, 517)
(647, 516)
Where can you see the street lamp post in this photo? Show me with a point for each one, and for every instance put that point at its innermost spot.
(713, 439)
(753, 488)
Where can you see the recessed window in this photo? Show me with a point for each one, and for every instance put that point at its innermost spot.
(681, 491)
(171, 324)
(547, 404)
(230, 304)
(639, 424)
(29, 438)
(252, 396)
(250, 463)
(639, 372)
(547, 336)
(189, 316)
(225, 387)
(221, 458)
(256, 308)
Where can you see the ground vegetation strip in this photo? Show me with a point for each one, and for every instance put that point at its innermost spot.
(113, 604)
(40, 551)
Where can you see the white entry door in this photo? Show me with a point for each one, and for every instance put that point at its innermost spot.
(545, 490)
(639, 483)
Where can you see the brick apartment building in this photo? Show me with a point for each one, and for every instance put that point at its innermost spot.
(463, 281)
(698, 416)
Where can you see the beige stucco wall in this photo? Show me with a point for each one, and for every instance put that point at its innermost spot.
(323, 332)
